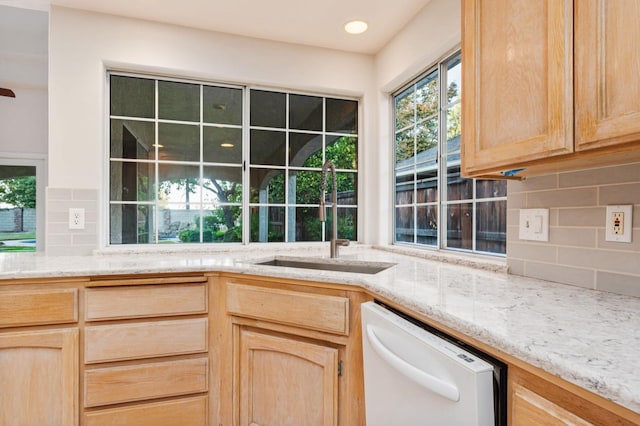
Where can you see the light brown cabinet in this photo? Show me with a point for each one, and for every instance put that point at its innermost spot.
(285, 381)
(295, 350)
(39, 377)
(525, 97)
(145, 344)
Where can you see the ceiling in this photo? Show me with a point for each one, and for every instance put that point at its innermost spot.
(318, 23)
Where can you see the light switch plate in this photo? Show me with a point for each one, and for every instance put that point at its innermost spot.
(619, 224)
(534, 224)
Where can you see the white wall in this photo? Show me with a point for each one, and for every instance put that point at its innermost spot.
(23, 121)
(434, 31)
(83, 45)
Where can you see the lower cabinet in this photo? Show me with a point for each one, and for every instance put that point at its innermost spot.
(39, 377)
(285, 381)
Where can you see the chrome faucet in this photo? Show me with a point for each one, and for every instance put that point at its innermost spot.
(335, 242)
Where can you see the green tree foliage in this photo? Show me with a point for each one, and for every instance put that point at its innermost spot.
(19, 192)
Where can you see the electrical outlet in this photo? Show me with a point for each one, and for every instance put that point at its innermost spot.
(76, 218)
(619, 224)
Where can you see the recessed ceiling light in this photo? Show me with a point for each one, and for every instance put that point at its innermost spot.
(226, 145)
(356, 27)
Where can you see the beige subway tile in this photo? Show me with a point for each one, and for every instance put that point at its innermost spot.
(531, 251)
(58, 194)
(64, 250)
(516, 267)
(604, 260)
(553, 217)
(513, 217)
(589, 216)
(601, 176)
(57, 216)
(562, 198)
(58, 239)
(535, 183)
(85, 239)
(85, 194)
(628, 193)
(628, 285)
(580, 237)
(634, 245)
(516, 201)
(581, 277)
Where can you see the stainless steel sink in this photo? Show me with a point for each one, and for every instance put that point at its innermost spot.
(339, 265)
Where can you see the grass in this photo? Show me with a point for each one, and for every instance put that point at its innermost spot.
(9, 236)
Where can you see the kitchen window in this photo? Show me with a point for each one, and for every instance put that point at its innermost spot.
(434, 205)
(194, 162)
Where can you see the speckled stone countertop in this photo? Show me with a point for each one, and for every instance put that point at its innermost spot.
(586, 337)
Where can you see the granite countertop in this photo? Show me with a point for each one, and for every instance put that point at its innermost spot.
(586, 337)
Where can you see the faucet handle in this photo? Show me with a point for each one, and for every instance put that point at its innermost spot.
(342, 242)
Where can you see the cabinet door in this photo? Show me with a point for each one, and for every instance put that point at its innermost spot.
(517, 82)
(529, 408)
(286, 382)
(607, 52)
(38, 378)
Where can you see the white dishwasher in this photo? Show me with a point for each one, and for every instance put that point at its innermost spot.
(414, 377)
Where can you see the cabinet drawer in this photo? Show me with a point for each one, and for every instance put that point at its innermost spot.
(106, 303)
(313, 311)
(31, 307)
(145, 340)
(145, 381)
(183, 412)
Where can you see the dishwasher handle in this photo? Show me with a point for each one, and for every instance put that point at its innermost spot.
(427, 381)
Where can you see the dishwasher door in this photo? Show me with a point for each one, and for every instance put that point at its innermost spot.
(413, 377)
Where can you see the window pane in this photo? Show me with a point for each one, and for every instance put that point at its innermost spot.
(132, 139)
(342, 116)
(178, 101)
(222, 145)
(132, 97)
(305, 112)
(187, 219)
(347, 224)
(454, 125)
(268, 147)
(18, 208)
(267, 185)
(268, 109)
(427, 229)
(178, 183)
(427, 185)
(347, 189)
(342, 151)
(178, 142)
(267, 224)
(404, 224)
(454, 86)
(427, 97)
(131, 224)
(427, 141)
(458, 188)
(221, 184)
(224, 224)
(491, 227)
(307, 224)
(304, 187)
(130, 181)
(460, 226)
(221, 105)
(491, 188)
(405, 148)
(305, 150)
(405, 180)
(405, 108)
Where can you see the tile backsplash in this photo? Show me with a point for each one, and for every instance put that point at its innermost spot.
(60, 239)
(577, 252)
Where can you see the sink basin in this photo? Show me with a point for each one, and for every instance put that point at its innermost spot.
(339, 265)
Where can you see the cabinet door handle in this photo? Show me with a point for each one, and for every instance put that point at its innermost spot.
(427, 381)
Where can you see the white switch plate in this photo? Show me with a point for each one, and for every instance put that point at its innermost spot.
(619, 224)
(534, 224)
(76, 218)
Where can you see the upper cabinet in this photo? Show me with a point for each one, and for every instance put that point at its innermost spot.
(519, 108)
(607, 60)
